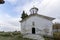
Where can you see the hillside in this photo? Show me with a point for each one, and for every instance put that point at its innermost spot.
(12, 36)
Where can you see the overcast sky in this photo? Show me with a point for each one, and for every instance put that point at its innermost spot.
(10, 12)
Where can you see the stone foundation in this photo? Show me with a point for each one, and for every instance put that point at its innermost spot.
(33, 36)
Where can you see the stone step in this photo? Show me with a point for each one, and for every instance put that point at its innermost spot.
(33, 36)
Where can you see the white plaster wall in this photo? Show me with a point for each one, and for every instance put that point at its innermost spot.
(40, 24)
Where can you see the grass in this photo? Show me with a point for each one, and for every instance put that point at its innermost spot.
(12, 36)
(18, 36)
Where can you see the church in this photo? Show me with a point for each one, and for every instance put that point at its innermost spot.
(35, 25)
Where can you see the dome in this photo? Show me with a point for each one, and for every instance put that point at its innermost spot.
(34, 10)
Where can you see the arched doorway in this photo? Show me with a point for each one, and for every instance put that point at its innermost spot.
(33, 30)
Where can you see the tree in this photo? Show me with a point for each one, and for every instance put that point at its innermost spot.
(2, 1)
(56, 33)
(24, 15)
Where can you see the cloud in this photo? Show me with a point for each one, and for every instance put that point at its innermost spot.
(8, 23)
(46, 7)
(41, 4)
(9, 28)
(27, 6)
(11, 1)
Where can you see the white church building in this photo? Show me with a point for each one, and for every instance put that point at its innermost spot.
(36, 25)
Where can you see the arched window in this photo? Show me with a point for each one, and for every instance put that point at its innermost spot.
(33, 30)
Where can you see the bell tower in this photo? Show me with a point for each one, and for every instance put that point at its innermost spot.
(34, 10)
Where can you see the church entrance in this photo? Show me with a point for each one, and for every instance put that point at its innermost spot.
(33, 30)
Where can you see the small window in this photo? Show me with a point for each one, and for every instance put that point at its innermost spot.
(33, 30)
(33, 23)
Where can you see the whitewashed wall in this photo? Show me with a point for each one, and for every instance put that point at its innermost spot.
(40, 24)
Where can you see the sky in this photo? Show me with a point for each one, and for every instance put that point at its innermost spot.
(11, 10)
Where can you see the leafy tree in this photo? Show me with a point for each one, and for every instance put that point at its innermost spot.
(24, 15)
(2, 1)
(56, 33)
